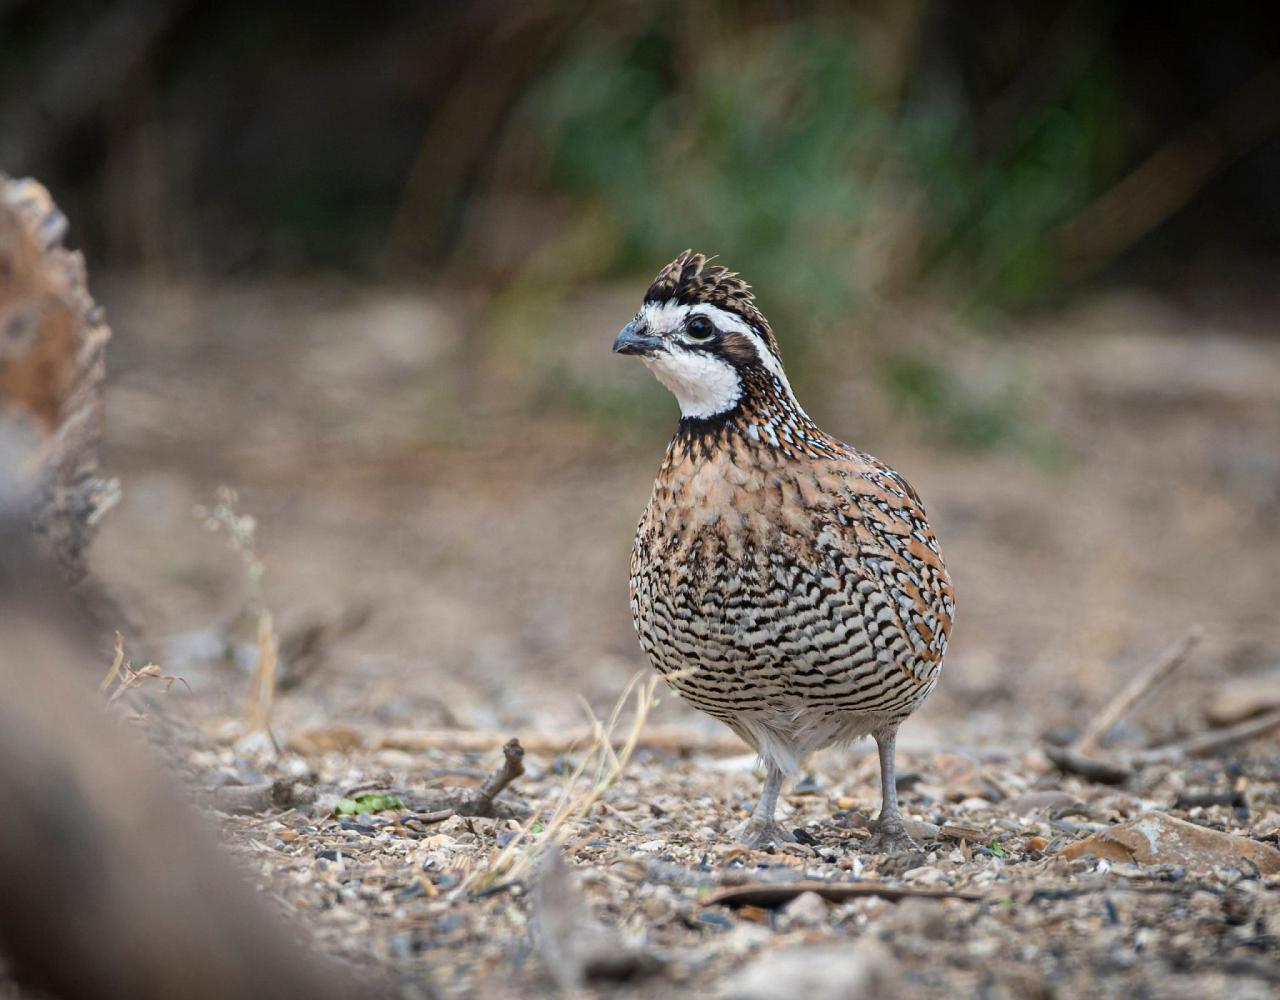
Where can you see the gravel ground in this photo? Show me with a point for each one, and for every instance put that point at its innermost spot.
(412, 888)
(447, 573)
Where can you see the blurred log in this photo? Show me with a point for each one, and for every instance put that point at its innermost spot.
(52, 337)
(112, 886)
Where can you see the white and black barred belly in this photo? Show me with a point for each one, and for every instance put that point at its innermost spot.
(806, 597)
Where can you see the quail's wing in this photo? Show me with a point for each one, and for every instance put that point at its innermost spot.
(909, 601)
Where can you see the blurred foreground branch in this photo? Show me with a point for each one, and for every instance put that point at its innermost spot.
(111, 885)
(51, 366)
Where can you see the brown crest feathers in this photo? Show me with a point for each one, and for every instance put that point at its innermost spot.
(691, 279)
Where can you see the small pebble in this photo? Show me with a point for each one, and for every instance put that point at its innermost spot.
(807, 910)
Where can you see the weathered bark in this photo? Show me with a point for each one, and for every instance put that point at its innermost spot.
(111, 885)
(52, 337)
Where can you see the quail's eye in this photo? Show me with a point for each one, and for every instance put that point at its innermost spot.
(699, 328)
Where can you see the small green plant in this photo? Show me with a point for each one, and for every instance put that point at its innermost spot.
(367, 804)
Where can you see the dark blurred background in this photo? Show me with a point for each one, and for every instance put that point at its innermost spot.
(1008, 149)
(364, 261)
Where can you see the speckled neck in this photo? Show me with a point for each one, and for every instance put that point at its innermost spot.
(767, 420)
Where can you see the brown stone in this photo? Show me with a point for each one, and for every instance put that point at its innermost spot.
(1157, 839)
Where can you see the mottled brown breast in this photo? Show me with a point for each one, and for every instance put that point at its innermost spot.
(789, 580)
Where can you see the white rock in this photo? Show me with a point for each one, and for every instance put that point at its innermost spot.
(833, 972)
(926, 875)
(807, 910)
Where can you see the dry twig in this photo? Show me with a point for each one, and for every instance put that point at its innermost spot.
(604, 764)
(1104, 772)
(772, 894)
(242, 537)
(116, 661)
(671, 739)
(1215, 739)
(1115, 709)
(480, 801)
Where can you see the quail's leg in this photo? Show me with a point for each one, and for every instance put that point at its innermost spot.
(889, 836)
(761, 829)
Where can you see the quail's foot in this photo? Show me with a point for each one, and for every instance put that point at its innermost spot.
(889, 838)
(756, 833)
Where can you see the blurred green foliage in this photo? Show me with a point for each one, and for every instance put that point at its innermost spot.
(781, 148)
(831, 187)
(999, 416)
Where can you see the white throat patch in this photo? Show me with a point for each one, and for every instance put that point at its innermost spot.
(702, 385)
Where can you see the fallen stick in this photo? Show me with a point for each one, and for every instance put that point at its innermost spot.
(1104, 772)
(1056, 892)
(772, 894)
(1215, 739)
(667, 738)
(479, 801)
(259, 798)
(1132, 693)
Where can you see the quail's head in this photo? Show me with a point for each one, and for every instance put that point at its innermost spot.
(700, 332)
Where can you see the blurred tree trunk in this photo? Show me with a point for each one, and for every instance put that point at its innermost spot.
(52, 338)
(110, 886)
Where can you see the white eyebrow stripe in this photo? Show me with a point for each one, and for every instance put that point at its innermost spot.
(663, 317)
(667, 317)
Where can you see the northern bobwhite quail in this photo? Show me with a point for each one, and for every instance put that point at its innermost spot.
(783, 582)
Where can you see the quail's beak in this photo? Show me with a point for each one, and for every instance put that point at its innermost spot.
(635, 339)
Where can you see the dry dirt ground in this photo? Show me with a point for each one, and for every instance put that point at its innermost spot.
(445, 524)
